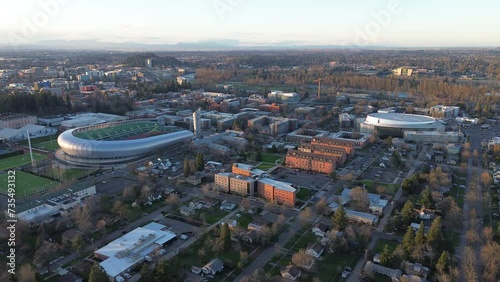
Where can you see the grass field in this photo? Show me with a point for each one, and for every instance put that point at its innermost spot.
(25, 183)
(118, 132)
(19, 160)
(50, 145)
(265, 166)
(379, 247)
(390, 189)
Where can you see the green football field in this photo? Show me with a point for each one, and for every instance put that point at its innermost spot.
(20, 160)
(25, 183)
(50, 145)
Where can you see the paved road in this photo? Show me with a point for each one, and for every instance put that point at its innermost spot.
(378, 233)
(473, 173)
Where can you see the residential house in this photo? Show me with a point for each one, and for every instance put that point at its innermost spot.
(257, 224)
(425, 213)
(320, 229)
(186, 211)
(196, 205)
(250, 236)
(291, 272)
(227, 206)
(213, 267)
(416, 269)
(496, 177)
(314, 249)
(377, 268)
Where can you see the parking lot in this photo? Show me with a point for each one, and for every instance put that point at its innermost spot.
(302, 178)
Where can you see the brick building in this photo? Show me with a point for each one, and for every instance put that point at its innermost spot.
(16, 121)
(311, 161)
(276, 191)
(245, 180)
(348, 144)
(234, 183)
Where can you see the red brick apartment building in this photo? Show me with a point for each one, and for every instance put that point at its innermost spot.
(311, 161)
(348, 145)
(234, 183)
(322, 155)
(276, 191)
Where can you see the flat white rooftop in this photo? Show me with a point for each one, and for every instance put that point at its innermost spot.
(131, 248)
(278, 184)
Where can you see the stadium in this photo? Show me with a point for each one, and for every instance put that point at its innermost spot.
(395, 124)
(115, 143)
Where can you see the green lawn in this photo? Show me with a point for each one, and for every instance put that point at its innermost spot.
(35, 141)
(379, 247)
(303, 194)
(16, 161)
(68, 174)
(25, 183)
(330, 268)
(244, 220)
(390, 189)
(265, 166)
(266, 158)
(50, 145)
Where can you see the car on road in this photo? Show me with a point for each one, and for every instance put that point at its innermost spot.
(346, 272)
(127, 275)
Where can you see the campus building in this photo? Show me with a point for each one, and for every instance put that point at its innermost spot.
(278, 192)
(246, 180)
(235, 183)
(310, 161)
(16, 121)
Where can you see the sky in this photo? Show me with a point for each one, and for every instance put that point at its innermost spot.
(397, 23)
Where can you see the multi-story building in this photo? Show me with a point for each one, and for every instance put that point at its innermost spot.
(246, 180)
(348, 144)
(311, 161)
(281, 96)
(16, 121)
(235, 183)
(494, 145)
(246, 170)
(276, 191)
(346, 120)
(338, 152)
(441, 111)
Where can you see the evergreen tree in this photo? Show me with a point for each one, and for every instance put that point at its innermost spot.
(146, 274)
(68, 102)
(435, 235)
(200, 162)
(166, 271)
(339, 219)
(258, 156)
(187, 168)
(442, 263)
(386, 256)
(420, 237)
(97, 274)
(225, 237)
(426, 199)
(408, 240)
(407, 213)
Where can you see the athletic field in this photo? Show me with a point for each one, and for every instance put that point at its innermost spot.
(19, 160)
(119, 132)
(26, 184)
(47, 145)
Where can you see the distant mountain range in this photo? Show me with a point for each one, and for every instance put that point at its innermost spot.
(182, 46)
(217, 45)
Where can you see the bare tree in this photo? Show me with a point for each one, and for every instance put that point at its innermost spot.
(119, 209)
(486, 179)
(302, 259)
(321, 206)
(245, 204)
(172, 199)
(305, 216)
(129, 193)
(469, 264)
(83, 218)
(27, 273)
(359, 198)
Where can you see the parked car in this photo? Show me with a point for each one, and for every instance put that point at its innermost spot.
(346, 272)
